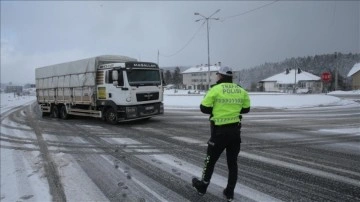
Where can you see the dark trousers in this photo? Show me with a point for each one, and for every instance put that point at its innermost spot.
(223, 137)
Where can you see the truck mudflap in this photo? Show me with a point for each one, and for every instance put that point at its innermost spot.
(140, 111)
(45, 108)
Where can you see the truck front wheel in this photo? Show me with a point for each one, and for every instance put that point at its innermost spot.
(63, 114)
(111, 116)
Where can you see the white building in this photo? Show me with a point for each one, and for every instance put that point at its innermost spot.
(354, 73)
(293, 80)
(196, 78)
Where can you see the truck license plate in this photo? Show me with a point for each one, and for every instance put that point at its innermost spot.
(149, 108)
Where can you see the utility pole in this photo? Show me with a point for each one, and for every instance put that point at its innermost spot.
(158, 57)
(336, 72)
(208, 40)
(295, 81)
(294, 65)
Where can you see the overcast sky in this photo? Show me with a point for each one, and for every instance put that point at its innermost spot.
(35, 34)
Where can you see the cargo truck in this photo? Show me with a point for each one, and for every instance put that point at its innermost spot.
(113, 88)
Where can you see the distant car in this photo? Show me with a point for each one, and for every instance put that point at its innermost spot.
(303, 90)
(170, 86)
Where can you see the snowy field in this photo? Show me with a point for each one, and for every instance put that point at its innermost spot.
(14, 167)
(10, 101)
(181, 99)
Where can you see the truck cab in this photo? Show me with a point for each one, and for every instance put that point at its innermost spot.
(128, 91)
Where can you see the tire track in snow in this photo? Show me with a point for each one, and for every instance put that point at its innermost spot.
(153, 175)
(56, 188)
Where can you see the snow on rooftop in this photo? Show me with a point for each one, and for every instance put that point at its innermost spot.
(289, 78)
(213, 68)
(354, 69)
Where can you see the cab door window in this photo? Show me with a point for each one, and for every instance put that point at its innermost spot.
(109, 79)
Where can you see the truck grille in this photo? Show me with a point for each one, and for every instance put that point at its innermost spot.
(147, 96)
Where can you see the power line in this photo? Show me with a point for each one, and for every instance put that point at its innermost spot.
(249, 11)
(223, 19)
(185, 44)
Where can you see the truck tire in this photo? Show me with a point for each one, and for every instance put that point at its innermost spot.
(111, 116)
(55, 111)
(63, 114)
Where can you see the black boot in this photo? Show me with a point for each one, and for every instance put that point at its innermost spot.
(200, 186)
(229, 194)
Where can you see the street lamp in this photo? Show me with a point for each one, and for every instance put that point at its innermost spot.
(208, 43)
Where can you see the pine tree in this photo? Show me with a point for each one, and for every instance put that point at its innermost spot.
(177, 77)
(168, 77)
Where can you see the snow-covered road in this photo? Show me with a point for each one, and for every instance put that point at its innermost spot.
(287, 154)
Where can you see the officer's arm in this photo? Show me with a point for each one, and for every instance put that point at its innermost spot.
(205, 110)
(246, 104)
(245, 110)
(207, 103)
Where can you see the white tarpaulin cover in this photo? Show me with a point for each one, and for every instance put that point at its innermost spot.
(74, 74)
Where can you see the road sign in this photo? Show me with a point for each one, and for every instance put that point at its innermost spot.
(326, 76)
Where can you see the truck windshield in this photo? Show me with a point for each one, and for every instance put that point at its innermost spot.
(143, 77)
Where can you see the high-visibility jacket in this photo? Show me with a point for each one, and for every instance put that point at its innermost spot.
(227, 100)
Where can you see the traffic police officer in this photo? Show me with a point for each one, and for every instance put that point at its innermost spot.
(225, 102)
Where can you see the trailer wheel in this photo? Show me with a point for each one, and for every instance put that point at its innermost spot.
(63, 114)
(111, 116)
(55, 111)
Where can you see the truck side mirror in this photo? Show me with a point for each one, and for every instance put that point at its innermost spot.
(115, 77)
(162, 77)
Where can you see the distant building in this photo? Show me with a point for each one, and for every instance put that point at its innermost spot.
(14, 89)
(196, 78)
(354, 73)
(293, 80)
(29, 85)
